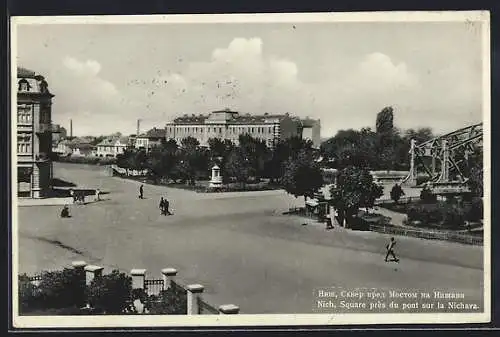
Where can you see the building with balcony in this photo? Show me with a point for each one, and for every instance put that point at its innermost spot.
(34, 134)
(227, 124)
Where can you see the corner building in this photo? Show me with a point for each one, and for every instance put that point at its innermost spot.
(230, 125)
(34, 135)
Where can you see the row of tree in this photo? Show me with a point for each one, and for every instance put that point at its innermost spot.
(250, 159)
(386, 148)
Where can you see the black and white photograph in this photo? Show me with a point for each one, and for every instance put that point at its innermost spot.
(264, 169)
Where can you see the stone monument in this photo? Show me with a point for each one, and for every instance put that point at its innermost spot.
(216, 180)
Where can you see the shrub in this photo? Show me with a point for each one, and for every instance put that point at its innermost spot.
(56, 290)
(111, 293)
(427, 197)
(172, 301)
(453, 217)
(424, 213)
(475, 210)
(87, 160)
(29, 298)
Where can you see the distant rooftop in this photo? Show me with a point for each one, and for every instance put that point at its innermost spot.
(154, 133)
(309, 123)
(24, 72)
(233, 117)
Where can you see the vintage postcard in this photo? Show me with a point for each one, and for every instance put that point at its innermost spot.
(250, 170)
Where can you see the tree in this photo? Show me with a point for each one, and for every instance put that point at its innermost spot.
(217, 147)
(219, 153)
(238, 166)
(256, 152)
(476, 181)
(111, 293)
(352, 148)
(191, 160)
(355, 188)
(302, 175)
(385, 120)
(396, 193)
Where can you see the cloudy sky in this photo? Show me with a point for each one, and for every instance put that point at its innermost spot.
(105, 77)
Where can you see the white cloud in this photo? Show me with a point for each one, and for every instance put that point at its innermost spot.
(94, 103)
(87, 68)
(243, 77)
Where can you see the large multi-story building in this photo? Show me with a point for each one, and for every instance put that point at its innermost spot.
(34, 134)
(230, 125)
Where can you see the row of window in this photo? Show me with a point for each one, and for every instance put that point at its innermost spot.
(24, 148)
(24, 143)
(24, 118)
(25, 114)
(233, 130)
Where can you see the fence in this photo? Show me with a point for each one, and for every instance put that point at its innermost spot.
(402, 200)
(187, 297)
(430, 235)
(128, 172)
(206, 309)
(154, 287)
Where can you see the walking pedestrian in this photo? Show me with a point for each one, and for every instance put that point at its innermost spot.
(162, 206)
(390, 250)
(97, 194)
(141, 192)
(167, 205)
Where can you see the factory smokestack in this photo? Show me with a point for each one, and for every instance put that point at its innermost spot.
(138, 127)
(70, 128)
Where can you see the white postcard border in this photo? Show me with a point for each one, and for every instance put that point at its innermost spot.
(272, 319)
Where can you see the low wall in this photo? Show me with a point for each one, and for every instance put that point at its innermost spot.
(191, 294)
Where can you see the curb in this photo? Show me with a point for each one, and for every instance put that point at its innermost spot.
(44, 202)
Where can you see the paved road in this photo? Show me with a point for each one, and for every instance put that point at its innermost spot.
(240, 247)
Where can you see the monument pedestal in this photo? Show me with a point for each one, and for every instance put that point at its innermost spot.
(216, 180)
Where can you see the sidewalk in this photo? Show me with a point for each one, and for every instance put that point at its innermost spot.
(397, 219)
(23, 202)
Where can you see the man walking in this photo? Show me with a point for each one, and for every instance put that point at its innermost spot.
(162, 206)
(141, 192)
(390, 250)
(167, 205)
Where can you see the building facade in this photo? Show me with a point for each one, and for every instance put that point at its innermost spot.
(58, 133)
(62, 148)
(112, 147)
(311, 130)
(34, 135)
(150, 139)
(230, 125)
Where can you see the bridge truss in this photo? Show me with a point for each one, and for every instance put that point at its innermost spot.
(447, 153)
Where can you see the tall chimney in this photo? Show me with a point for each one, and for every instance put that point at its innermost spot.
(70, 128)
(138, 126)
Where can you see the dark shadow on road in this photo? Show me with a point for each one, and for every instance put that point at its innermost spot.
(59, 244)
(56, 182)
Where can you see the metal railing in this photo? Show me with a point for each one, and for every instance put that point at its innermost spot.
(430, 235)
(154, 287)
(206, 309)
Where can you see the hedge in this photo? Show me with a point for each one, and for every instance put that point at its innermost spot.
(65, 293)
(86, 160)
